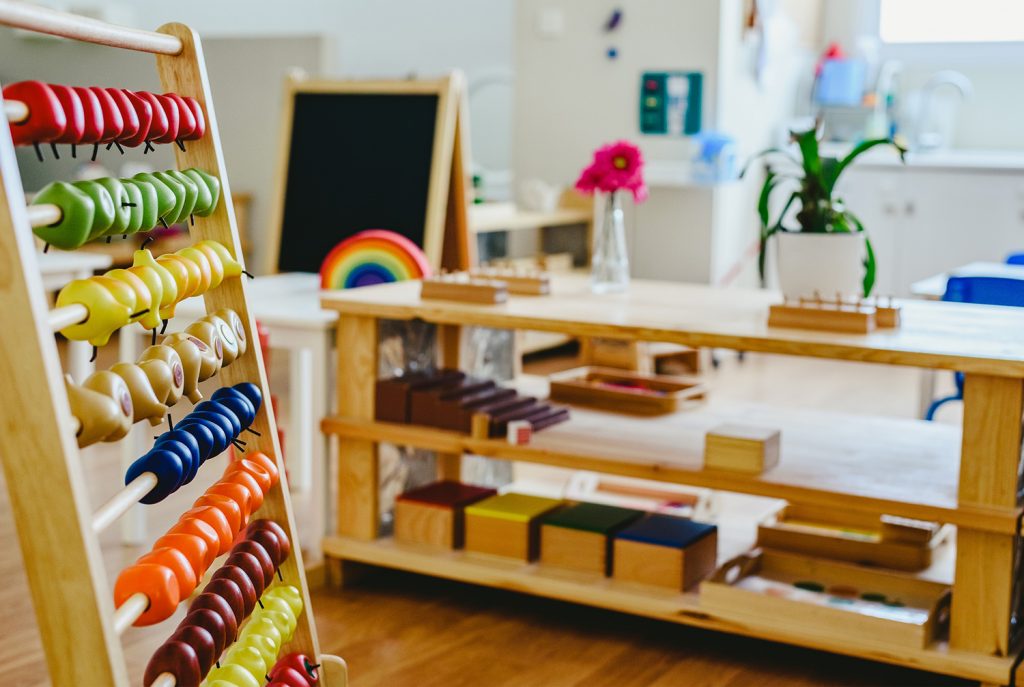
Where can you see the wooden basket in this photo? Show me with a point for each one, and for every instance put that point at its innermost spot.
(624, 392)
(772, 588)
(853, 537)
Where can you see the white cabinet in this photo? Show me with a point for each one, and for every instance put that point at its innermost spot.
(926, 221)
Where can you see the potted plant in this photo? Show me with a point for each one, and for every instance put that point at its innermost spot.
(827, 252)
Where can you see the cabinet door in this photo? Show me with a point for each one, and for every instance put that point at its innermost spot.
(875, 196)
(956, 217)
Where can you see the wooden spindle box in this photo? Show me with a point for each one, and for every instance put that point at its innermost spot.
(507, 525)
(434, 515)
(578, 537)
(665, 551)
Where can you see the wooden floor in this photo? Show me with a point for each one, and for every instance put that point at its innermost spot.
(396, 629)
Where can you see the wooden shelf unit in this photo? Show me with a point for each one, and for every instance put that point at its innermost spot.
(965, 476)
(53, 514)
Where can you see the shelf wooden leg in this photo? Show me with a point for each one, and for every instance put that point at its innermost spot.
(989, 461)
(358, 468)
(449, 348)
(341, 573)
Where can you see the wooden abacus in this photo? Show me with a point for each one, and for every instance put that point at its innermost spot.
(56, 523)
(838, 314)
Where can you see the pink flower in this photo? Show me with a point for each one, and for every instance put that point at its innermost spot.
(616, 166)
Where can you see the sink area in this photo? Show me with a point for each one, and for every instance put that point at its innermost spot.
(948, 158)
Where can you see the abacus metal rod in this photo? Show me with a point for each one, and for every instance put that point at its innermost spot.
(119, 503)
(59, 318)
(44, 215)
(130, 611)
(16, 111)
(22, 15)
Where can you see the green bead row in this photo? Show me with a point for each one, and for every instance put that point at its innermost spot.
(98, 208)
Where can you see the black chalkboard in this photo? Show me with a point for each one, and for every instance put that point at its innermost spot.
(356, 161)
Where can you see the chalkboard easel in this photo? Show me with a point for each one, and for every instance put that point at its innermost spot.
(361, 155)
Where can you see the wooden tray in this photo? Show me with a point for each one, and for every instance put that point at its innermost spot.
(761, 587)
(858, 538)
(624, 392)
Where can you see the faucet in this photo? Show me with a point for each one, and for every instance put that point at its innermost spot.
(925, 139)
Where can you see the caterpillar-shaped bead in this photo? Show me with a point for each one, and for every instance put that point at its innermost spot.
(147, 292)
(98, 208)
(110, 401)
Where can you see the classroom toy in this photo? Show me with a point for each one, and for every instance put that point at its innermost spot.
(507, 525)
(664, 551)
(295, 670)
(434, 515)
(518, 281)
(53, 113)
(519, 432)
(741, 448)
(374, 256)
(105, 207)
(448, 399)
(846, 536)
(857, 317)
(98, 306)
(459, 286)
(162, 375)
(579, 536)
(622, 391)
(836, 599)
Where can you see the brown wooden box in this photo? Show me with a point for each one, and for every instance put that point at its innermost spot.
(623, 391)
(857, 538)
(741, 448)
(665, 551)
(434, 515)
(833, 600)
(578, 537)
(507, 525)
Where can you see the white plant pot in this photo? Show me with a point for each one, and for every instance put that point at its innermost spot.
(823, 264)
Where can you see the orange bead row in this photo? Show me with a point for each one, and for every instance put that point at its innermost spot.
(178, 560)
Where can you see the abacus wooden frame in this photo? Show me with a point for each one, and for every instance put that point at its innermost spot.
(446, 225)
(41, 460)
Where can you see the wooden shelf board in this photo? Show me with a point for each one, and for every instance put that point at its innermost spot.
(685, 609)
(951, 336)
(865, 464)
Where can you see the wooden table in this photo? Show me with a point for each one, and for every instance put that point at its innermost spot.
(934, 286)
(865, 464)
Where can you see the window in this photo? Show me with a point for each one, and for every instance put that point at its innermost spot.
(951, 21)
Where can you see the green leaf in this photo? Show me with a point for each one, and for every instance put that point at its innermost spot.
(769, 151)
(808, 143)
(770, 182)
(831, 177)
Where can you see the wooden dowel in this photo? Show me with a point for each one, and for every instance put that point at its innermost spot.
(130, 611)
(165, 680)
(15, 111)
(120, 502)
(44, 215)
(59, 318)
(23, 15)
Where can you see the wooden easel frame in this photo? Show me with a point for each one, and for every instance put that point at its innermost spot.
(446, 226)
(41, 461)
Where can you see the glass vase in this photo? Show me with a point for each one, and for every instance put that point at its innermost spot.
(609, 264)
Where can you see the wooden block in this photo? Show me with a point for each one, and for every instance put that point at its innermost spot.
(507, 525)
(741, 448)
(434, 515)
(432, 406)
(393, 396)
(466, 290)
(578, 536)
(665, 551)
(887, 317)
(856, 320)
(520, 282)
(896, 529)
(423, 396)
(460, 418)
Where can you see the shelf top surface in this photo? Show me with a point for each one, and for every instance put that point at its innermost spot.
(969, 338)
